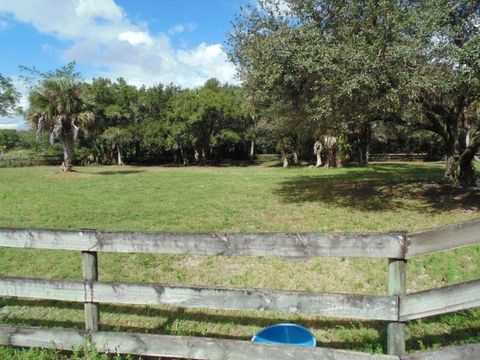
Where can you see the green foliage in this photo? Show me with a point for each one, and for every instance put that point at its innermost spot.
(167, 123)
(52, 97)
(8, 96)
(323, 67)
(330, 66)
(10, 139)
(116, 136)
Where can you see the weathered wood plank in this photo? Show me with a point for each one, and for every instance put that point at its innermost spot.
(440, 301)
(90, 275)
(171, 346)
(217, 349)
(43, 338)
(465, 352)
(397, 286)
(260, 244)
(42, 289)
(328, 305)
(443, 238)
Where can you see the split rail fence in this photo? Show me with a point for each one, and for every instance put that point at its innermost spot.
(395, 309)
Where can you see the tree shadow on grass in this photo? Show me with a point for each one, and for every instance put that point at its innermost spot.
(380, 188)
(369, 335)
(117, 172)
(170, 317)
(432, 337)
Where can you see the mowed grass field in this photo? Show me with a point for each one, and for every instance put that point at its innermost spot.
(383, 197)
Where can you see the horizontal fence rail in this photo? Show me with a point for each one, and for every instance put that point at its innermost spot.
(443, 238)
(396, 308)
(440, 301)
(465, 352)
(260, 244)
(327, 305)
(202, 348)
(171, 346)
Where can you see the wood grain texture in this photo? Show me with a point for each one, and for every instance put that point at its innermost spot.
(217, 349)
(61, 339)
(90, 275)
(465, 352)
(397, 286)
(260, 244)
(327, 305)
(443, 238)
(171, 346)
(42, 289)
(440, 301)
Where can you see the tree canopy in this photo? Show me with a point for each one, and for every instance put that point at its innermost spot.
(340, 67)
(8, 96)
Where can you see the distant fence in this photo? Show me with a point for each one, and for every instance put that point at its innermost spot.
(22, 161)
(395, 309)
(57, 159)
(400, 157)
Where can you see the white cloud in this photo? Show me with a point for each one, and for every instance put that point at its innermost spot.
(104, 9)
(100, 34)
(135, 38)
(70, 19)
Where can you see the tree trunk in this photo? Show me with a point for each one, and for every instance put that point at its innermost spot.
(252, 149)
(196, 156)
(364, 139)
(363, 156)
(468, 140)
(285, 159)
(466, 176)
(204, 156)
(68, 154)
(452, 154)
(182, 156)
(317, 150)
(331, 146)
(295, 157)
(452, 168)
(119, 156)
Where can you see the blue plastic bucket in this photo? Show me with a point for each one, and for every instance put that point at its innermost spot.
(286, 334)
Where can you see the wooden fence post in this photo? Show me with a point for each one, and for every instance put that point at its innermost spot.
(397, 286)
(90, 274)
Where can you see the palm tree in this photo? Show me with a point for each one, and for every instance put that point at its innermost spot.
(117, 138)
(60, 107)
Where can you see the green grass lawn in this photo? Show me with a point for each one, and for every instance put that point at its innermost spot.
(383, 197)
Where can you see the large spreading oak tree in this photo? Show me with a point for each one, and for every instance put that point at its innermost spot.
(339, 66)
(443, 85)
(324, 67)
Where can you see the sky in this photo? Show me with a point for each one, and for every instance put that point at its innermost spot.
(144, 41)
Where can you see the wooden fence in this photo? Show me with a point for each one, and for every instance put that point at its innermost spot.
(395, 309)
(30, 160)
(399, 157)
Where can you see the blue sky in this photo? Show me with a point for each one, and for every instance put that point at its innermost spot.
(144, 41)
